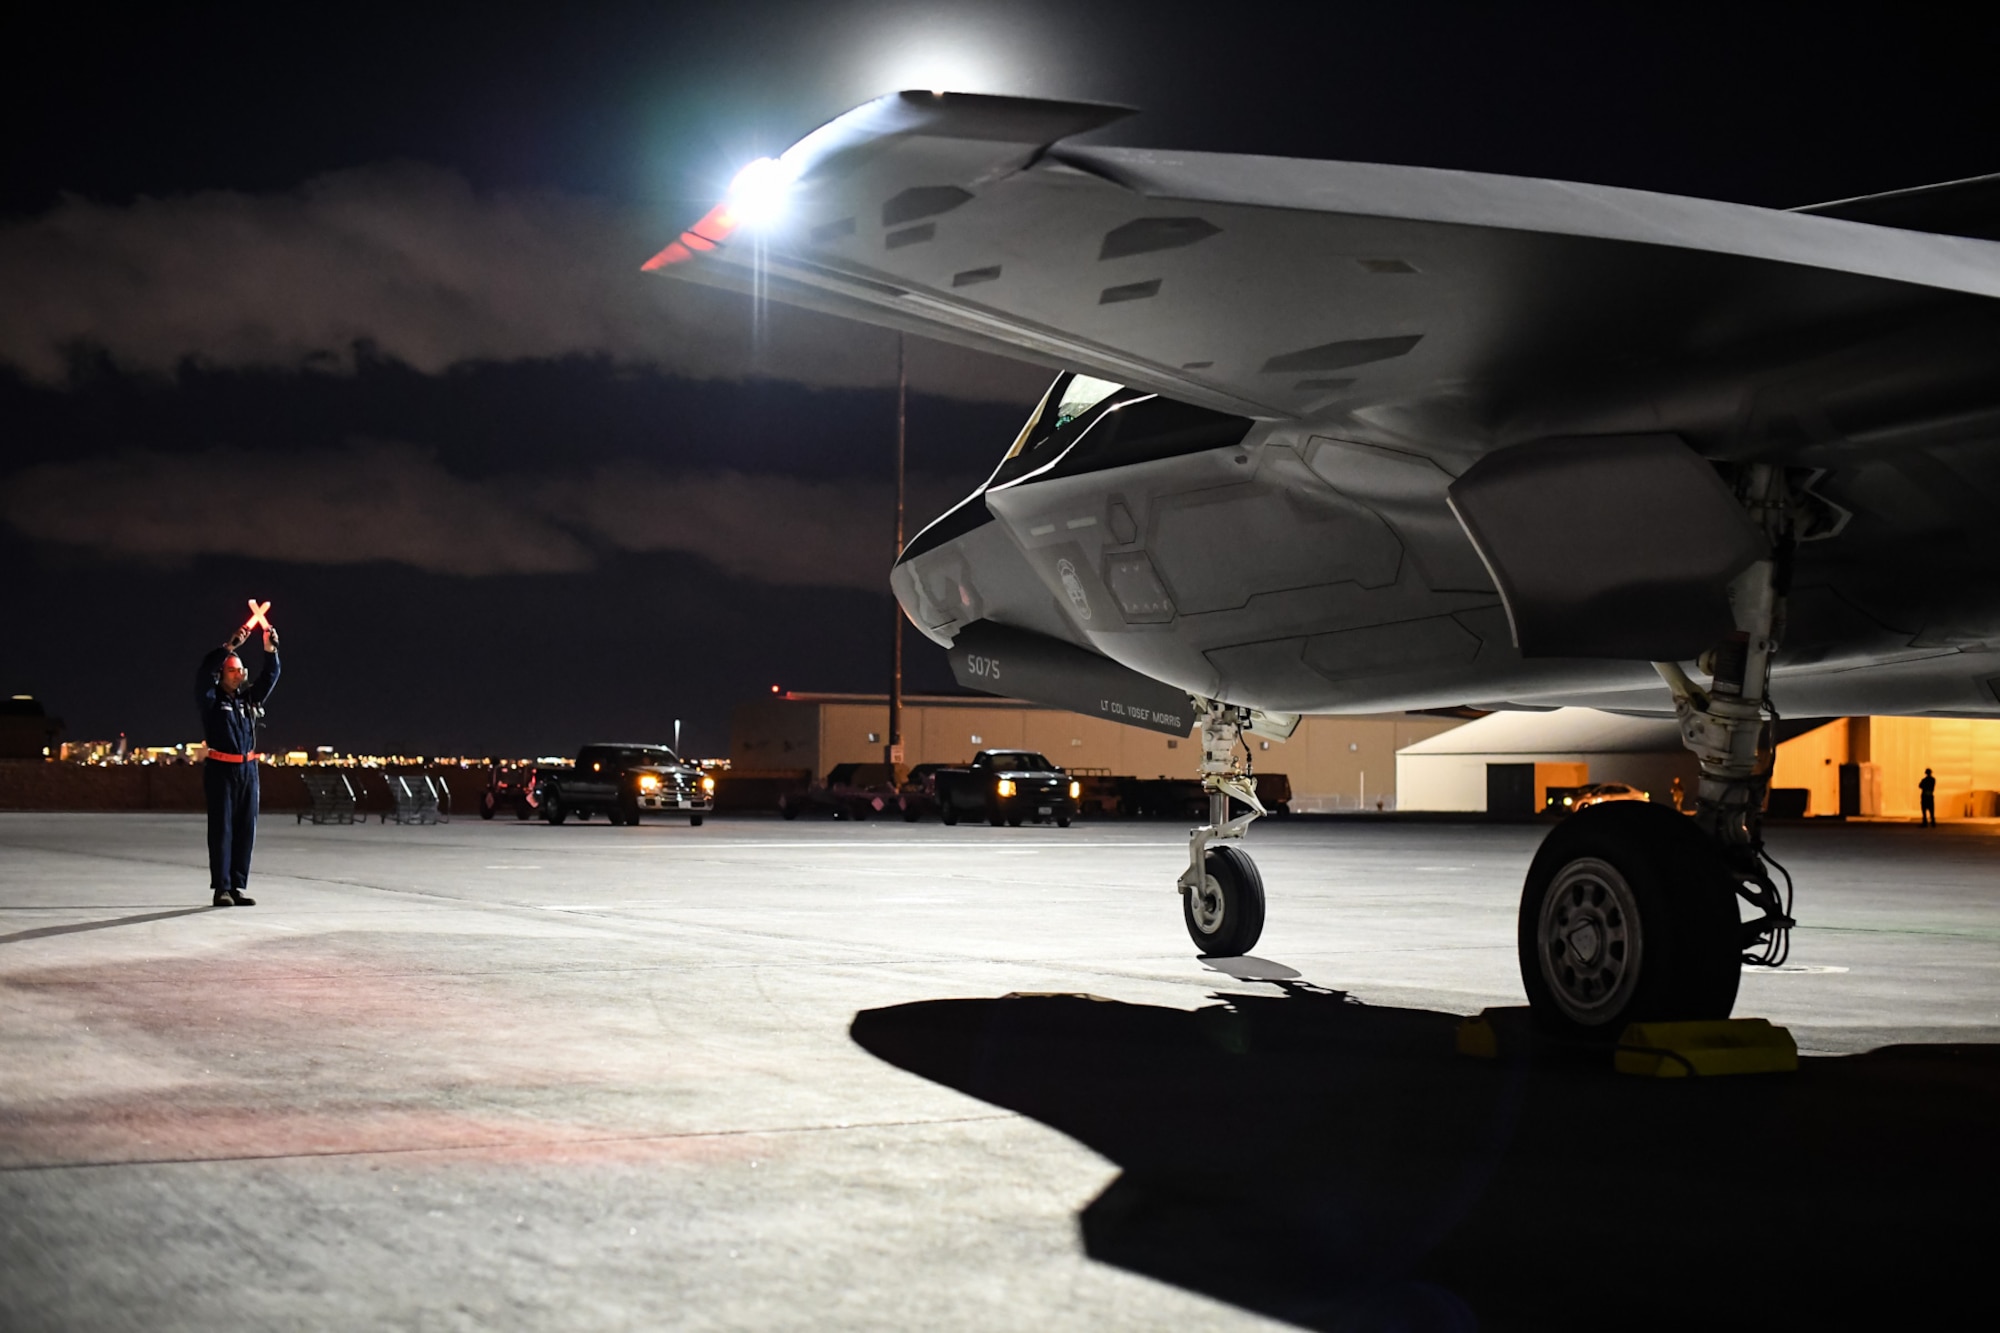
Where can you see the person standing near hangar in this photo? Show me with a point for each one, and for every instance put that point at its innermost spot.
(230, 711)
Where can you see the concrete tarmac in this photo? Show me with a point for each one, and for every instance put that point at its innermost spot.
(772, 1075)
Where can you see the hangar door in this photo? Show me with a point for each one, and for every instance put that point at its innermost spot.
(1510, 789)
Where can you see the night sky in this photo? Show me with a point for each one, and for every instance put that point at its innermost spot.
(341, 308)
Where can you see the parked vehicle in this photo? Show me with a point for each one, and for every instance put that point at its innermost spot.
(1569, 800)
(1009, 787)
(623, 782)
(1181, 798)
(851, 791)
(510, 789)
(917, 796)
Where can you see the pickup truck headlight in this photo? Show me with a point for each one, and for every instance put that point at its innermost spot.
(648, 782)
(707, 785)
(1075, 789)
(1006, 787)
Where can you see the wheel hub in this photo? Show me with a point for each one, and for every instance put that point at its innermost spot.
(1206, 906)
(1590, 939)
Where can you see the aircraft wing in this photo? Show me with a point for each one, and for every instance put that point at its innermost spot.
(1411, 298)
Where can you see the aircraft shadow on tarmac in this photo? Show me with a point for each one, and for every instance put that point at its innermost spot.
(1338, 1165)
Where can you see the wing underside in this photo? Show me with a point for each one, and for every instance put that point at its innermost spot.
(1406, 299)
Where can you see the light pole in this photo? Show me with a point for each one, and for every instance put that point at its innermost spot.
(892, 753)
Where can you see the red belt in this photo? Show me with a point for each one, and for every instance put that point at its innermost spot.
(228, 758)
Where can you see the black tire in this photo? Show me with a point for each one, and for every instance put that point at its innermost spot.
(627, 813)
(521, 810)
(1229, 916)
(694, 821)
(1654, 904)
(1013, 821)
(996, 819)
(1062, 821)
(582, 814)
(552, 809)
(947, 812)
(909, 813)
(487, 805)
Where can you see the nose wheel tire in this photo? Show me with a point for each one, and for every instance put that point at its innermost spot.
(1225, 916)
(1628, 915)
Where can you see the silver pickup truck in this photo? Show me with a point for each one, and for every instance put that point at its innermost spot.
(624, 781)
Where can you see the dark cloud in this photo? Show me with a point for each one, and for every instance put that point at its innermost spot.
(410, 263)
(371, 502)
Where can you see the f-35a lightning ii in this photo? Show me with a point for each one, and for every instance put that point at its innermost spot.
(1344, 437)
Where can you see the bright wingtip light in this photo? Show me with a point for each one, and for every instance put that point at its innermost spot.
(757, 195)
(756, 199)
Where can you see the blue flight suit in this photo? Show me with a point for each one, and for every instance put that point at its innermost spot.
(229, 726)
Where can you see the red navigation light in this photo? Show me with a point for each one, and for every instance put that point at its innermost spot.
(711, 231)
(756, 196)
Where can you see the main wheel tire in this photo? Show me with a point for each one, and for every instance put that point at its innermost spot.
(487, 805)
(1628, 916)
(552, 809)
(948, 812)
(1226, 916)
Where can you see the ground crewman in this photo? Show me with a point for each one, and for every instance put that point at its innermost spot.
(230, 711)
(1927, 798)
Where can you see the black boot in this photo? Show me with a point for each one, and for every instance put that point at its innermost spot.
(233, 898)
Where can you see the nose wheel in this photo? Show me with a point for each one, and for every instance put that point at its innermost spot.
(1225, 912)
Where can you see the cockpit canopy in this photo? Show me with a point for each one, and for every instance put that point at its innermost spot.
(1086, 424)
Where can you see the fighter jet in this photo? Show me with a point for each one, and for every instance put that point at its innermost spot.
(1338, 437)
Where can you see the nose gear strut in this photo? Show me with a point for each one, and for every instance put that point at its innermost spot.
(1730, 726)
(1222, 895)
(1223, 774)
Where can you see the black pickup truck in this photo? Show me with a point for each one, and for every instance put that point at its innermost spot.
(1006, 787)
(623, 782)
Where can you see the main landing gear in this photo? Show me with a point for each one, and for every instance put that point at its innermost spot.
(1222, 895)
(1631, 911)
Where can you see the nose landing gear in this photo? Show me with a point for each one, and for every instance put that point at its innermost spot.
(1222, 895)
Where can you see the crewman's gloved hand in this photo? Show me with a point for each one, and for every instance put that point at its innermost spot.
(236, 639)
(270, 641)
